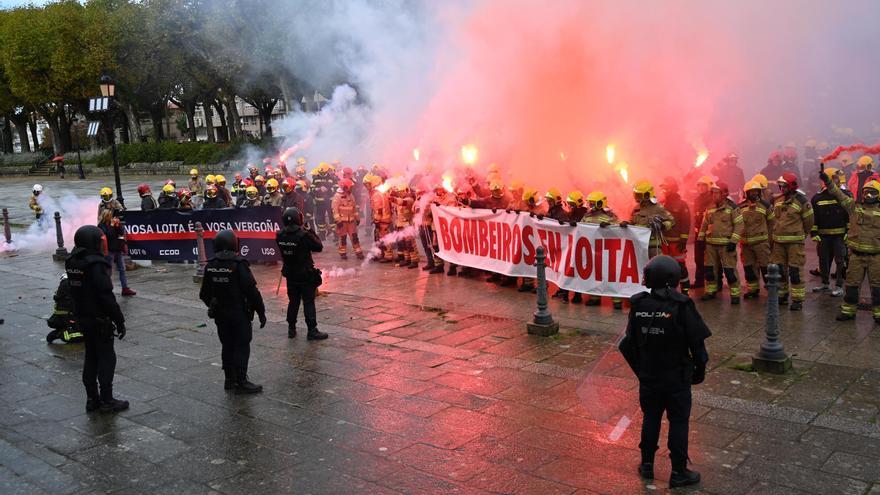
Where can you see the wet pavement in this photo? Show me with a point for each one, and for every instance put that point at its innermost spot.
(428, 384)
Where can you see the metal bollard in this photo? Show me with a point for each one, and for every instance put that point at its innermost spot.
(543, 323)
(772, 357)
(7, 230)
(203, 259)
(61, 253)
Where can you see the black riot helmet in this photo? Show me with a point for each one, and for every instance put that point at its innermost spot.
(90, 239)
(292, 216)
(225, 244)
(661, 272)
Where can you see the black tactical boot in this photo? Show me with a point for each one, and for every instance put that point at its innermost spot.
(752, 294)
(845, 317)
(244, 386)
(618, 305)
(593, 301)
(525, 287)
(54, 335)
(315, 334)
(436, 269)
(93, 402)
(428, 267)
(796, 306)
(291, 331)
(682, 476)
(708, 296)
(109, 404)
(229, 381)
(577, 298)
(734, 299)
(452, 271)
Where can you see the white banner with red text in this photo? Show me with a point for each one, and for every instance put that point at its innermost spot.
(582, 258)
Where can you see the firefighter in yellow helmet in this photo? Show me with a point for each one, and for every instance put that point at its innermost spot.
(755, 241)
(791, 219)
(108, 203)
(380, 211)
(168, 199)
(649, 213)
(346, 217)
(222, 190)
(829, 234)
(403, 202)
(213, 201)
(273, 197)
(251, 198)
(678, 235)
(498, 198)
(196, 187)
(722, 230)
(516, 189)
(702, 202)
(766, 193)
(599, 213)
(323, 188)
(209, 180)
(864, 173)
(555, 205)
(533, 203)
(863, 240)
(34, 203)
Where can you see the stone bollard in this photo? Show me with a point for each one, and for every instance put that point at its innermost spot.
(772, 357)
(7, 230)
(203, 260)
(61, 253)
(543, 323)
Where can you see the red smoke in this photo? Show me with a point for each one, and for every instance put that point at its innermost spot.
(541, 89)
(865, 149)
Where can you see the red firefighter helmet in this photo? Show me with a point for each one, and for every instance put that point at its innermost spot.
(184, 194)
(789, 179)
(248, 182)
(789, 154)
(288, 184)
(143, 189)
(347, 172)
(171, 181)
(346, 183)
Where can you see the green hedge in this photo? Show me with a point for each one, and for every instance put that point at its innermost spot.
(169, 151)
(21, 159)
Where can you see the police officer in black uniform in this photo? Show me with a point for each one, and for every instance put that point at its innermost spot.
(297, 245)
(664, 347)
(230, 292)
(97, 314)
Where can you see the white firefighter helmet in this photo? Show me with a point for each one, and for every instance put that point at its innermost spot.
(38, 188)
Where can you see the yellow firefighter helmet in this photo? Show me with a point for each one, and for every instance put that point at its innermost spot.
(706, 180)
(643, 190)
(106, 193)
(872, 184)
(865, 162)
(271, 185)
(251, 192)
(220, 180)
(553, 194)
(830, 172)
(209, 179)
(576, 198)
(530, 195)
(760, 179)
(168, 189)
(752, 184)
(597, 200)
(194, 172)
(301, 161)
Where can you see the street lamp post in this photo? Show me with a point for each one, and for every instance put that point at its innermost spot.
(108, 90)
(79, 160)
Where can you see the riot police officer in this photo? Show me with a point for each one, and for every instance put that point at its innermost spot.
(98, 315)
(665, 349)
(230, 292)
(297, 245)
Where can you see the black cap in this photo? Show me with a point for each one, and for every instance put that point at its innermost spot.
(662, 271)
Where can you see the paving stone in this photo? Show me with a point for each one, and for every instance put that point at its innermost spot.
(853, 466)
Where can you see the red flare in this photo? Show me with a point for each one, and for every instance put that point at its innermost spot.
(868, 150)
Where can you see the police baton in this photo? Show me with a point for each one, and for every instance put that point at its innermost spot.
(278, 287)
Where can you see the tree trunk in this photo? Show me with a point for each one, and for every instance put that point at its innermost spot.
(234, 119)
(191, 123)
(22, 129)
(224, 128)
(266, 114)
(134, 123)
(157, 114)
(56, 134)
(64, 124)
(286, 93)
(32, 125)
(209, 121)
(7, 135)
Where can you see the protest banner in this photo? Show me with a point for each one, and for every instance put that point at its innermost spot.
(584, 258)
(170, 234)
